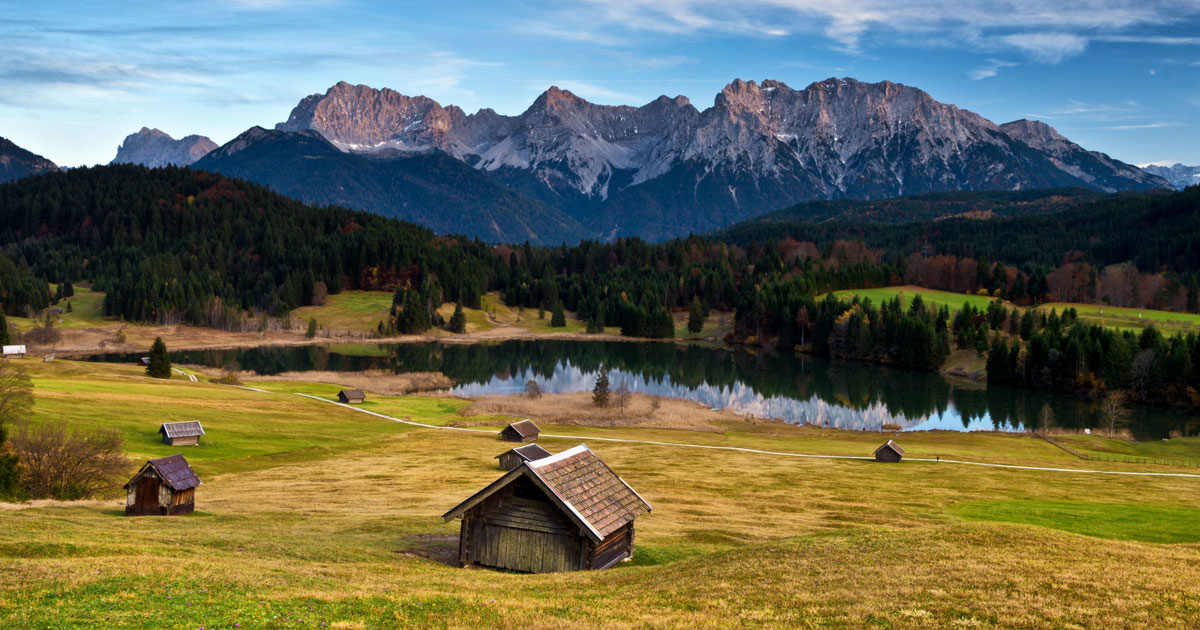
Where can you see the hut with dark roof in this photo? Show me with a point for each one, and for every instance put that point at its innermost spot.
(523, 431)
(352, 396)
(566, 512)
(181, 433)
(163, 487)
(514, 457)
(890, 453)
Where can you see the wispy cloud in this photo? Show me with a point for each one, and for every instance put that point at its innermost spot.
(990, 69)
(1047, 47)
(1153, 125)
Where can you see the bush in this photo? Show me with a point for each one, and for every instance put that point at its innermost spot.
(58, 461)
(230, 378)
(532, 389)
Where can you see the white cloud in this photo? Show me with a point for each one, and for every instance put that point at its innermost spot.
(1047, 47)
(989, 69)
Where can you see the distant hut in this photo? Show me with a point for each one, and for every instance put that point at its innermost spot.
(144, 361)
(163, 487)
(523, 431)
(512, 458)
(181, 433)
(890, 452)
(352, 396)
(15, 352)
(566, 512)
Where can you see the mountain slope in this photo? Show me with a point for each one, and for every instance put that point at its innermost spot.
(16, 162)
(430, 188)
(151, 147)
(1181, 176)
(666, 168)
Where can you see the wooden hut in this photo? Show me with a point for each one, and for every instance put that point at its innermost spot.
(523, 431)
(566, 512)
(144, 362)
(890, 452)
(512, 458)
(181, 433)
(163, 487)
(15, 351)
(352, 396)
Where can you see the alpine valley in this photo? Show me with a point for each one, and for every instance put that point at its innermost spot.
(567, 169)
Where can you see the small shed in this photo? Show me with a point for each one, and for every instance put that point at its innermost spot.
(512, 458)
(163, 487)
(890, 452)
(523, 431)
(181, 433)
(352, 396)
(566, 512)
(13, 351)
(144, 361)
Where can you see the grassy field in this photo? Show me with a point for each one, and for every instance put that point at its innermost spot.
(931, 296)
(314, 516)
(87, 311)
(349, 310)
(1136, 319)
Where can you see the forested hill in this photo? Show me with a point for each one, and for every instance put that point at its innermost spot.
(1158, 232)
(174, 244)
(964, 204)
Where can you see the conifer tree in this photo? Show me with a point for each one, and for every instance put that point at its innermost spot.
(695, 317)
(312, 328)
(600, 391)
(558, 318)
(458, 321)
(4, 340)
(160, 365)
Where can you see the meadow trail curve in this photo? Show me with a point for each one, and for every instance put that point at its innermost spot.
(761, 452)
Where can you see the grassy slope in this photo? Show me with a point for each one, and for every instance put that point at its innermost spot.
(953, 300)
(87, 311)
(340, 523)
(1131, 318)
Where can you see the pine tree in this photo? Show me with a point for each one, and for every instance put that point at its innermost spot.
(595, 323)
(312, 328)
(458, 321)
(600, 392)
(160, 365)
(695, 317)
(4, 339)
(69, 309)
(558, 319)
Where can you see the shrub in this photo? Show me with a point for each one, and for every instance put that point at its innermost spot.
(59, 461)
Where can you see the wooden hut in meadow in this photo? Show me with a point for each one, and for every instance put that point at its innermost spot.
(890, 453)
(181, 433)
(14, 351)
(523, 431)
(514, 457)
(566, 512)
(163, 487)
(352, 396)
(144, 362)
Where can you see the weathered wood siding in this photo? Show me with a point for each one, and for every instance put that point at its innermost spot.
(510, 434)
(519, 529)
(193, 440)
(149, 496)
(887, 455)
(510, 460)
(613, 549)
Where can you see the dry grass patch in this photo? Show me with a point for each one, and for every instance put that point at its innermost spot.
(373, 381)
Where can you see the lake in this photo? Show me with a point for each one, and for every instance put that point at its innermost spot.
(838, 394)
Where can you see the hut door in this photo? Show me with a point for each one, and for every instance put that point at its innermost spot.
(147, 494)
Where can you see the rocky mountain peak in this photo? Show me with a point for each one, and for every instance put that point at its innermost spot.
(16, 162)
(155, 148)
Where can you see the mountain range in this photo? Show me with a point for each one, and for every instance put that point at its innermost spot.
(152, 147)
(667, 168)
(1180, 175)
(16, 162)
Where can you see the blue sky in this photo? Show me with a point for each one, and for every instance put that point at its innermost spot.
(76, 77)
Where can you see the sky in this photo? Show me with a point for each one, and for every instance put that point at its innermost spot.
(1122, 77)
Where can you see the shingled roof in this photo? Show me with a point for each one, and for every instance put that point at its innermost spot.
(586, 489)
(892, 445)
(528, 452)
(175, 472)
(525, 428)
(173, 430)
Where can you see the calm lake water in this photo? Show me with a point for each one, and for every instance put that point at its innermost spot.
(845, 395)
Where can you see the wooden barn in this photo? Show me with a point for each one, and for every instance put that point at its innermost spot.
(163, 487)
(566, 512)
(181, 433)
(352, 396)
(890, 453)
(15, 352)
(144, 362)
(514, 457)
(523, 431)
